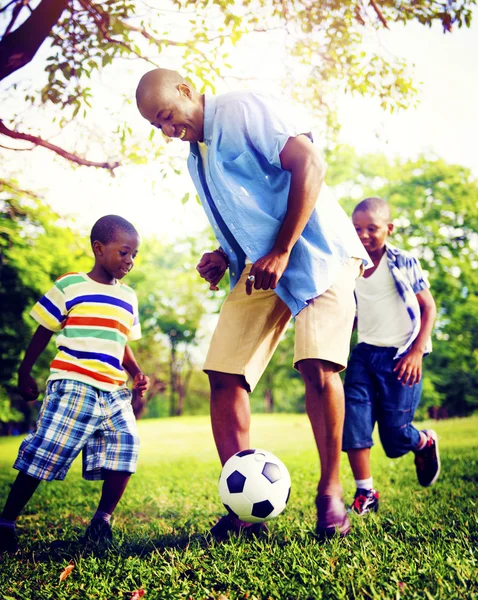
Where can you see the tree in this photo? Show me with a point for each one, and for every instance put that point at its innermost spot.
(84, 37)
(36, 247)
(172, 304)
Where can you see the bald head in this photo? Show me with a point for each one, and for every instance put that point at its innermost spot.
(157, 84)
(376, 206)
(168, 101)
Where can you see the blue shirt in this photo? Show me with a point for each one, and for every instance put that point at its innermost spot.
(409, 281)
(244, 191)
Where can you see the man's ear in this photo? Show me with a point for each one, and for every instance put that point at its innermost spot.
(185, 90)
(97, 248)
(390, 228)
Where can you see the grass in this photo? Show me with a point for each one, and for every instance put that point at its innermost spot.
(420, 545)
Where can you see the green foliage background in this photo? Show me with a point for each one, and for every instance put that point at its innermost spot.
(434, 209)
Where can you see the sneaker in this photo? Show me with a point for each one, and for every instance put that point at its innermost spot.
(230, 525)
(8, 539)
(99, 532)
(332, 517)
(427, 460)
(364, 501)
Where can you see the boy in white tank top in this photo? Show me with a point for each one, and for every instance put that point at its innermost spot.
(395, 316)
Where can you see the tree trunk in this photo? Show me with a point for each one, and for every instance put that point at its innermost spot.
(268, 400)
(173, 381)
(19, 47)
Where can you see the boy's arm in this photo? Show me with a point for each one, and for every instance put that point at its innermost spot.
(409, 367)
(140, 380)
(26, 384)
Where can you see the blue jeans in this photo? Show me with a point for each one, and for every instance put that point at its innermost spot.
(374, 394)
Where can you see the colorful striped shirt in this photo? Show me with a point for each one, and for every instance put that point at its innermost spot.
(94, 321)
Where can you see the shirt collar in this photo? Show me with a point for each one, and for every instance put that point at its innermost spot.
(391, 251)
(209, 113)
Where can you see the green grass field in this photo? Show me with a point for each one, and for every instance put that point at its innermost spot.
(422, 543)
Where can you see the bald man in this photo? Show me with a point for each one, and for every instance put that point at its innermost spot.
(291, 252)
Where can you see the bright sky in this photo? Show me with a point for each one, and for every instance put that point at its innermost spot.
(444, 123)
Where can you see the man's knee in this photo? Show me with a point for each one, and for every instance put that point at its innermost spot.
(319, 374)
(220, 382)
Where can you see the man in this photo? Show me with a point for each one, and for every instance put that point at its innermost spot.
(291, 251)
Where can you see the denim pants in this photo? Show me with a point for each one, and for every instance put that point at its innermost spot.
(374, 394)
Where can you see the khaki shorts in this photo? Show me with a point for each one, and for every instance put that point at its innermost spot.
(250, 327)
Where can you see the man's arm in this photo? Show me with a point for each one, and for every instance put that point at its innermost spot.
(26, 384)
(307, 168)
(409, 367)
(140, 380)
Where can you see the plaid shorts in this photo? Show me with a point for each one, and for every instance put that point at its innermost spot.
(76, 416)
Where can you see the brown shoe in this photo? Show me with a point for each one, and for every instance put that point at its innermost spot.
(331, 517)
(229, 525)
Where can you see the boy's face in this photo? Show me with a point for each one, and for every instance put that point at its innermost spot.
(373, 229)
(117, 257)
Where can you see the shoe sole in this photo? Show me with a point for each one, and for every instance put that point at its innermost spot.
(433, 435)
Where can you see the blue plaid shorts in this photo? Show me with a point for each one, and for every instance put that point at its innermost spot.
(76, 416)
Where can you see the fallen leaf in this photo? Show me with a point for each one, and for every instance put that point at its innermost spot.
(138, 594)
(66, 571)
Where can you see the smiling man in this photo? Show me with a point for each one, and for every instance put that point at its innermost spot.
(291, 252)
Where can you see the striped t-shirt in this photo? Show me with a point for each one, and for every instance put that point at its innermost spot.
(94, 322)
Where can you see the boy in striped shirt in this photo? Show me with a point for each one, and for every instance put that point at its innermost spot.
(87, 405)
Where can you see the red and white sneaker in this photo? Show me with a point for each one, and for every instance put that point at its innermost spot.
(364, 501)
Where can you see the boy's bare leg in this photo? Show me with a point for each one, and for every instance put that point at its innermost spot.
(114, 485)
(22, 490)
(359, 459)
(230, 413)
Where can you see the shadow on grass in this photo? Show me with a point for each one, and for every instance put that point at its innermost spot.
(73, 549)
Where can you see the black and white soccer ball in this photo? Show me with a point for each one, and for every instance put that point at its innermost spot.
(254, 485)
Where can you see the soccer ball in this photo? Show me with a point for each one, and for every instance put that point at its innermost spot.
(254, 485)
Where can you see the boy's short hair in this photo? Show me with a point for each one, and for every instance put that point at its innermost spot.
(376, 205)
(106, 229)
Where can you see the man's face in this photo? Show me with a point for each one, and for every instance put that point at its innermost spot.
(176, 111)
(373, 229)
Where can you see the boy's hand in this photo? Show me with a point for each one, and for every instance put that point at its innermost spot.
(140, 384)
(212, 267)
(409, 368)
(27, 387)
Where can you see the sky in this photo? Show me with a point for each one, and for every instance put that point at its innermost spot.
(444, 123)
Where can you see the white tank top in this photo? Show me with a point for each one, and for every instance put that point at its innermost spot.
(382, 315)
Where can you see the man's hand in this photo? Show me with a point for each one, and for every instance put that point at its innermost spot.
(27, 387)
(409, 368)
(212, 267)
(267, 271)
(140, 384)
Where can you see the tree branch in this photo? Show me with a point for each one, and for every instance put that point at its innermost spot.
(19, 47)
(9, 185)
(373, 4)
(16, 135)
(101, 19)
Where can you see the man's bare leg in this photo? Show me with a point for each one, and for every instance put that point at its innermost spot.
(230, 413)
(325, 404)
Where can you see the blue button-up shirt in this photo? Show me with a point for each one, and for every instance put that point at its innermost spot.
(244, 191)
